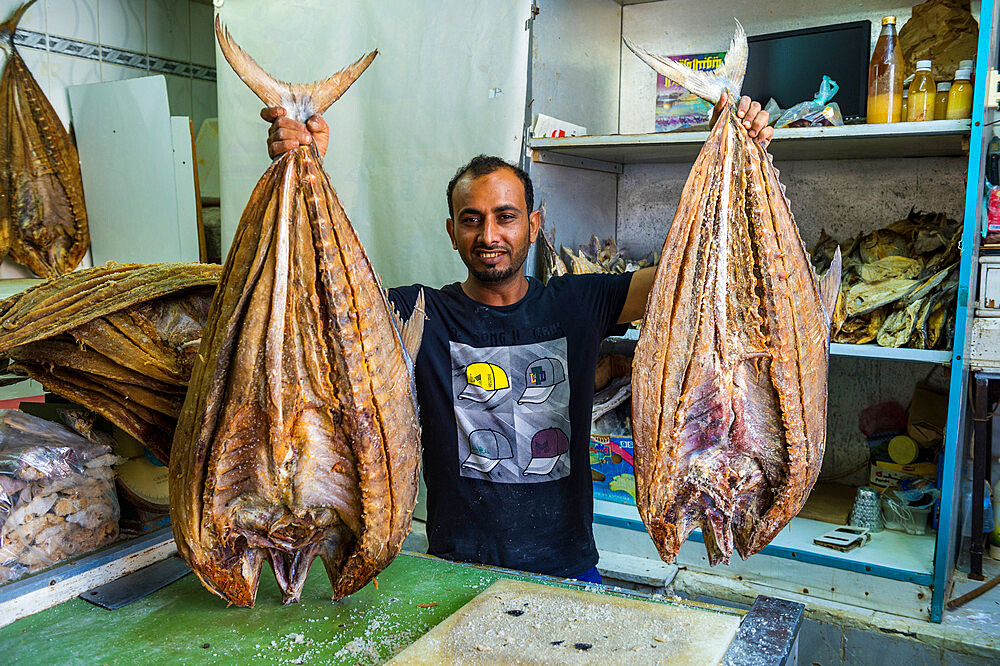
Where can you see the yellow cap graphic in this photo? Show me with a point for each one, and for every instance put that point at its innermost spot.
(483, 379)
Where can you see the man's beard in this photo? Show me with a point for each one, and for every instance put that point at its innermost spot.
(494, 275)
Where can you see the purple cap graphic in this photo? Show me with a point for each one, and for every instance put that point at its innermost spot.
(546, 448)
(486, 449)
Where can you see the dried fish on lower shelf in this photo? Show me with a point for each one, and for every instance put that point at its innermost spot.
(117, 339)
(57, 496)
(899, 283)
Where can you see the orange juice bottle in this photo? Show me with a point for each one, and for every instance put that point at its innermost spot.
(885, 77)
(920, 105)
(960, 96)
(941, 100)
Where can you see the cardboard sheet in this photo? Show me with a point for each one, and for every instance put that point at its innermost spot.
(518, 622)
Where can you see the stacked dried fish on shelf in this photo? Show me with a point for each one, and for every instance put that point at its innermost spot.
(119, 340)
(43, 221)
(730, 371)
(57, 495)
(596, 257)
(899, 283)
(299, 436)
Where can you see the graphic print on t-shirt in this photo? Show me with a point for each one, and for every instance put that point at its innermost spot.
(512, 411)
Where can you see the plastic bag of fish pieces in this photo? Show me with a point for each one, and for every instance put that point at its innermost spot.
(57, 494)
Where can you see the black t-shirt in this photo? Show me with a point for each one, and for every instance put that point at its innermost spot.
(505, 396)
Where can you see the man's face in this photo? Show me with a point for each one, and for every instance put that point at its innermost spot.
(492, 228)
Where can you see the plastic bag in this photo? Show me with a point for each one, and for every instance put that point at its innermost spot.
(57, 496)
(816, 112)
(992, 233)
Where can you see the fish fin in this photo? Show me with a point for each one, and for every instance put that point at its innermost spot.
(325, 93)
(707, 85)
(829, 284)
(413, 329)
(300, 101)
(9, 27)
(266, 87)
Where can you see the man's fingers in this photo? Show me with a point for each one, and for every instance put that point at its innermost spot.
(759, 122)
(275, 148)
(743, 106)
(289, 134)
(316, 124)
(765, 135)
(271, 113)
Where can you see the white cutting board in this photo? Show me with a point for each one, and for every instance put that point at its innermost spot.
(517, 622)
(125, 137)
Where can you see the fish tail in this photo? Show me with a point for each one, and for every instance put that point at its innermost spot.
(707, 85)
(300, 101)
(8, 27)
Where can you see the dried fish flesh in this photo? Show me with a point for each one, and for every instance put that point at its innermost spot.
(867, 296)
(43, 221)
(299, 434)
(891, 267)
(729, 380)
(117, 339)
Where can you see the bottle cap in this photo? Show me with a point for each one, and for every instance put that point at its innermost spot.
(945, 85)
(923, 64)
(963, 74)
(965, 64)
(906, 92)
(903, 450)
(888, 20)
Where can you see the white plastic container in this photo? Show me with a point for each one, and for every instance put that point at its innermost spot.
(902, 518)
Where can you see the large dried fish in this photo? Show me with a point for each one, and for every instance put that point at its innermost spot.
(299, 434)
(729, 381)
(117, 339)
(43, 222)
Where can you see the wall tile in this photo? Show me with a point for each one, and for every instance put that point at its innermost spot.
(167, 30)
(73, 18)
(65, 71)
(204, 103)
(111, 72)
(33, 19)
(202, 34)
(123, 23)
(179, 95)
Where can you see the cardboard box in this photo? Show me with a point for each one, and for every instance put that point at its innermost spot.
(611, 468)
(885, 473)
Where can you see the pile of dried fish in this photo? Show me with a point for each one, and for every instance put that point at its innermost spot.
(117, 339)
(43, 222)
(899, 283)
(730, 372)
(595, 257)
(299, 435)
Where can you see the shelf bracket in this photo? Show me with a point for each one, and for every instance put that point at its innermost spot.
(549, 157)
(992, 84)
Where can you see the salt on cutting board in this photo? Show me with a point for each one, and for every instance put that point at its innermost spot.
(519, 622)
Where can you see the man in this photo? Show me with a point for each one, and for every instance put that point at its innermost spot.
(505, 373)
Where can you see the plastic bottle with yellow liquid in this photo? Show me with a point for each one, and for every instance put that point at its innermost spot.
(941, 100)
(960, 96)
(885, 77)
(920, 105)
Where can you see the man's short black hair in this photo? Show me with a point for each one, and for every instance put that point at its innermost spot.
(480, 165)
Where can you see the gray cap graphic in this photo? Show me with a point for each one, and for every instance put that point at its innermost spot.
(486, 449)
(540, 378)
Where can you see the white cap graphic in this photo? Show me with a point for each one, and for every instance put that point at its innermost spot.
(486, 449)
(540, 379)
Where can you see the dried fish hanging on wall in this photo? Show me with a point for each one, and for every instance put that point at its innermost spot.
(729, 378)
(43, 221)
(299, 437)
(119, 340)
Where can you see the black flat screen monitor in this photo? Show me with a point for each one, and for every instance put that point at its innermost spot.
(789, 66)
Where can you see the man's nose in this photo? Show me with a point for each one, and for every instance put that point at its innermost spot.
(490, 231)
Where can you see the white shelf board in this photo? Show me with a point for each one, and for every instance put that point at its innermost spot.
(891, 353)
(857, 351)
(888, 552)
(919, 139)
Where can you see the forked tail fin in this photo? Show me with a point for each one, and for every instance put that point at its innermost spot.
(300, 100)
(8, 27)
(707, 85)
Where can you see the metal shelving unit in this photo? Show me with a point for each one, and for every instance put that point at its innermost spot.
(924, 560)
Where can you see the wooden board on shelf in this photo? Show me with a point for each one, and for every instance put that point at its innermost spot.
(829, 503)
